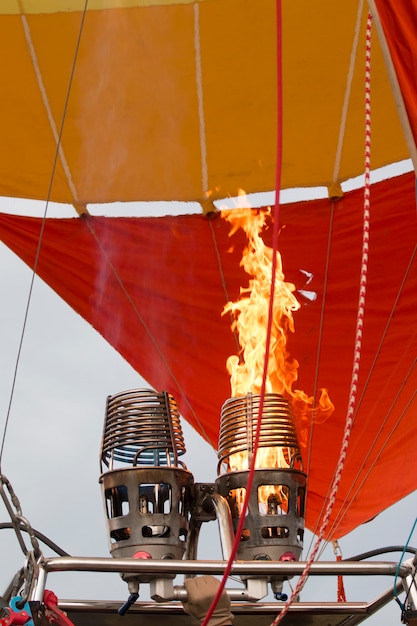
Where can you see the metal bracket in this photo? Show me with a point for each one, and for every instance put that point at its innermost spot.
(200, 511)
(18, 613)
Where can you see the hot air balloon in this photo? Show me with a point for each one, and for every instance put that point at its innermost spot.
(109, 103)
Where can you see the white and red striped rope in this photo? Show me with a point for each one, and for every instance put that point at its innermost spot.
(359, 328)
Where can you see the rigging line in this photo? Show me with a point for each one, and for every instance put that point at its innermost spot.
(373, 365)
(386, 329)
(381, 450)
(343, 511)
(395, 85)
(38, 249)
(251, 474)
(321, 327)
(19, 522)
(48, 542)
(342, 127)
(88, 221)
(385, 550)
(366, 202)
(336, 168)
(358, 341)
(367, 189)
(224, 285)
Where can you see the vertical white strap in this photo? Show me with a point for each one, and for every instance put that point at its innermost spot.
(342, 127)
(399, 101)
(42, 89)
(200, 98)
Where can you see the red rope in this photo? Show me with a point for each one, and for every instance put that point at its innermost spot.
(341, 595)
(358, 340)
(269, 326)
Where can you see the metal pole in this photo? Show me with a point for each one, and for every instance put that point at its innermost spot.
(37, 594)
(258, 568)
(224, 519)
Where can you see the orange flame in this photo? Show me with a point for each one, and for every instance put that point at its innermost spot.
(250, 314)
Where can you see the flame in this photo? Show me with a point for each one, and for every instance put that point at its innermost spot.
(266, 458)
(250, 320)
(272, 499)
(251, 313)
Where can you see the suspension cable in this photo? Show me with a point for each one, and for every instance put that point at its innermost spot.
(19, 522)
(320, 335)
(89, 221)
(270, 319)
(358, 341)
(40, 536)
(357, 485)
(38, 249)
(371, 369)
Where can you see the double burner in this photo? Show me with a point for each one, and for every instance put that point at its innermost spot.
(153, 508)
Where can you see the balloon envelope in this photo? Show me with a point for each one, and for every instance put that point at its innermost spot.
(160, 305)
(145, 101)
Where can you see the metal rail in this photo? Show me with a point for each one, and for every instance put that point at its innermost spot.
(246, 606)
(258, 568)
(95, 613)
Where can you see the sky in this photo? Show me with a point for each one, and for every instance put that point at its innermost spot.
(51, 454)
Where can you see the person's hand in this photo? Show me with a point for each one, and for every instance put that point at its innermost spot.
(201, 592)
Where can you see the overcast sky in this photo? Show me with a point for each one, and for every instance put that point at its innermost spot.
(51, 454)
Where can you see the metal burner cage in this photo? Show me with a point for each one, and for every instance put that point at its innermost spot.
(146, 490)
(274, 524)
(142, 427)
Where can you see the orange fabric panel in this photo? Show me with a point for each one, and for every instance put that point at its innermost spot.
(168, 102)
(399, 21)
(175, 336)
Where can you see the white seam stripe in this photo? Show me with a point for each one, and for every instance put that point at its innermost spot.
(199, 81)
(45, 100)
(349, 80)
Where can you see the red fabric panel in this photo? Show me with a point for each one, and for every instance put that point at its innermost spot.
(163, 314)
(399, 21)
